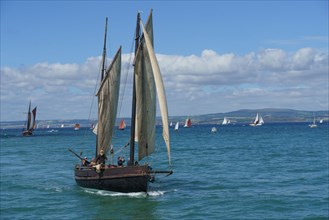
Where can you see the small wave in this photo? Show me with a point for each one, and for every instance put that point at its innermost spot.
(57, 188)
(120, 194)
(114, 194)
(156, 193)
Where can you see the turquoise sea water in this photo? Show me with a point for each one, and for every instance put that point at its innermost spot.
(276, 171)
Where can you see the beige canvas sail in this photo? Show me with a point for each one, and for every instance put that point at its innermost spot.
(160, 90)
(145, 100)
(108, 95)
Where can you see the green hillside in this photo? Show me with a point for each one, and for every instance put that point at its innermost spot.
(270, 115)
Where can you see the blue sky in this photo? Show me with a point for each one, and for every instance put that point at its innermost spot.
(215, 56)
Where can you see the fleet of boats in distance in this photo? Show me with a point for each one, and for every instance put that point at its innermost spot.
(54, 125)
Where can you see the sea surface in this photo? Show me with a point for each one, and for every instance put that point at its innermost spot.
(275, 171)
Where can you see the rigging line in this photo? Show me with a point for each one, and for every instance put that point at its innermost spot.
(122, 148)
(92, 101)
(126, 77)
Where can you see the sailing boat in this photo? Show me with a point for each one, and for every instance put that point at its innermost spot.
(147, 83)
(188, 123)
(176, 126)
(313, 125)
(226, 121)
(77, 127)
(30, 124)
(258, 121)
(122, 125)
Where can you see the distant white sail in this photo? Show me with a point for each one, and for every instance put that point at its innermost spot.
(258, 121)
(176, 126)
(226, 121)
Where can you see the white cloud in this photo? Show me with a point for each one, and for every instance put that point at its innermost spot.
(207, 83)
(272, 59)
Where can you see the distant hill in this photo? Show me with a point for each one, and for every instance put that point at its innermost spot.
(270, 115)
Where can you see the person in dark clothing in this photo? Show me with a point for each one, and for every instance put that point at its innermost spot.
(101, 158)
(121, 160)
(85, 162)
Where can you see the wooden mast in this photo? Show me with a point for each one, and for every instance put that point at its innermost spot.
(104, 52)
(102, 74)
(133, 111)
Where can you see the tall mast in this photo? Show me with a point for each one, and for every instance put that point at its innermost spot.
(104, 53)
(102, 74)
(133, 111)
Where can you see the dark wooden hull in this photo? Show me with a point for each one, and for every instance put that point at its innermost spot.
(117, 179)
(27, 133)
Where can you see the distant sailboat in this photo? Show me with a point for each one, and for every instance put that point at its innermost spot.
(226, 121)
(176, 126)
(30, 124)
(122, 125)
(313, 125)
(258, 121)
(213, 129)
(171, 124)
(62, 126)
(188, 123)
(76, 127)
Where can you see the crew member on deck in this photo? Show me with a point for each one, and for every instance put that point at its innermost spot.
(121, 160)
(85, 162)
(101, 158)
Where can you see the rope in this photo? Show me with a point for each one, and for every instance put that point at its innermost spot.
(125, 80)
(122, 148)
(92, 103)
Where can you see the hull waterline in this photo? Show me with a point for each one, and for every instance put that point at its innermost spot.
(117, 179)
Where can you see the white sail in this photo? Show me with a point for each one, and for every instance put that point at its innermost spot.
(313, 125)
(226, 121)
(160, 90)
(176, 126)
(261, 121)
(95, 129)
(256, 119)
(108, 95)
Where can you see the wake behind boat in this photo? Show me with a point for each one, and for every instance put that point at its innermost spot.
(147, 83)
(30, 123)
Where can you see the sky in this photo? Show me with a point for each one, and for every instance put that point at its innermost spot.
(214, 56)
